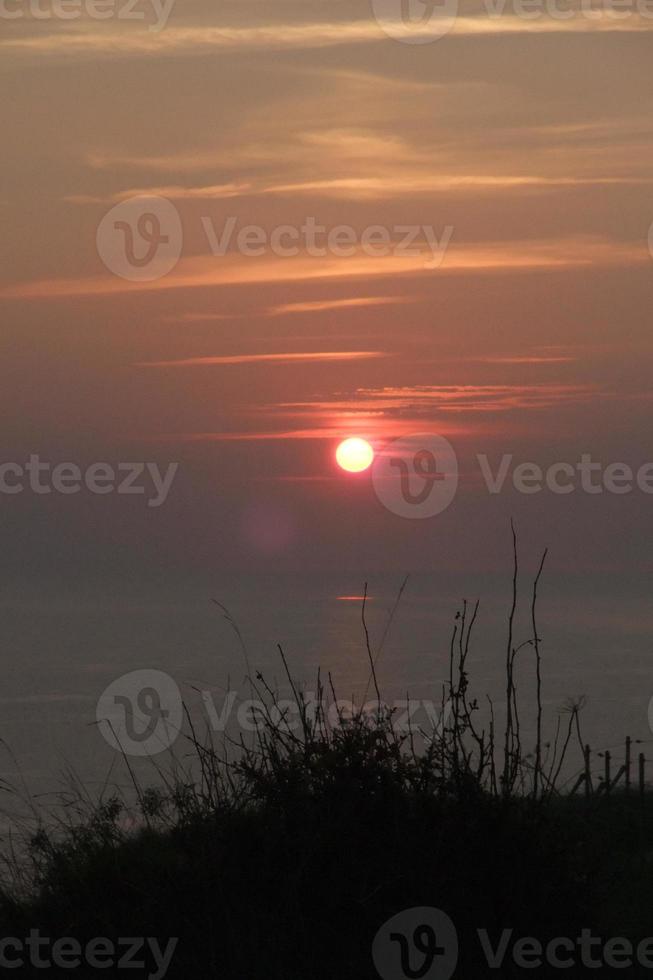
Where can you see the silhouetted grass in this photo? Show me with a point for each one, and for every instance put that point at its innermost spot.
(282, 858)
(290, 872)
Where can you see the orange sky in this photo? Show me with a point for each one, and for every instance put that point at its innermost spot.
(530, 140)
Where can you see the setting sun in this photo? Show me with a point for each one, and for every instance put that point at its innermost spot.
(354, 455)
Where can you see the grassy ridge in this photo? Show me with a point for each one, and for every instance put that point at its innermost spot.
(281, 860)
(292, 875)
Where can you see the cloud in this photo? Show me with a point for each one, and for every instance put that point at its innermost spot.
(430, 400)
(523, 359)
(475, 398)
(291, 358)
(353, 143)
(417, 183)
(183, 160)
(89, 43)
(488, 258)
(334, 432)
(381, 413)
(279, 153)
(364, 188)
(322, 305)
(201, 317)
(174, 192)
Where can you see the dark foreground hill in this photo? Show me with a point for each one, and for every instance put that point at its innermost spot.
(289, 869)
(350, 851)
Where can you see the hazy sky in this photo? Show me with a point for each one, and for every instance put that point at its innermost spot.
(526, 143)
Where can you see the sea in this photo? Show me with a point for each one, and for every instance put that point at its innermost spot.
(220, 644)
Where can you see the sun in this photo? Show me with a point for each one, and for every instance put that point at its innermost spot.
(354, 455)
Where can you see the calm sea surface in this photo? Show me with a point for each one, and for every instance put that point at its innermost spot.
(60, 650)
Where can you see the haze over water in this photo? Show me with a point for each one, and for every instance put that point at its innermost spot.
(492, 286)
